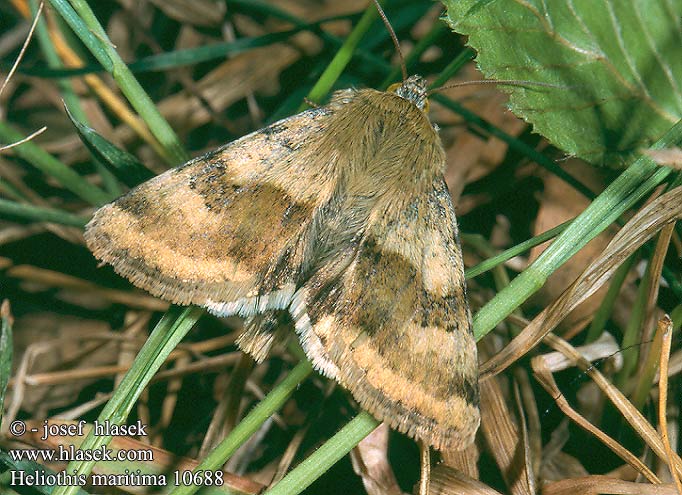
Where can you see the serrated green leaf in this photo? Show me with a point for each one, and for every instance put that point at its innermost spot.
(617, 65)
(5, 352)
(125, 167)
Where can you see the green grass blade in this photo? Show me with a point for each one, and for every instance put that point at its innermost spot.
(303, 475)
(508, 254)
(342, 57)
(122, 165)
(84, 23)
(606, 307)
(514, 143)
(38, 214)
(631, 186)
(68, 95)
(6, 350)
(438, 30)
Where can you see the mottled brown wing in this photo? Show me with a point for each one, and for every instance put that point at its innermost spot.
(394, 327)
(222, 231)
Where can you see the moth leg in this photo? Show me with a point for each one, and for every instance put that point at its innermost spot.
(261, 331)
(425, 467)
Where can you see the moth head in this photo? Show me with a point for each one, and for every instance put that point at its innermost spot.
(412, 89)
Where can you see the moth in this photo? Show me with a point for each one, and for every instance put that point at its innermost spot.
(340, 218)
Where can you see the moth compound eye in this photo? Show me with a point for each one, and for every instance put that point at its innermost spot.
(393, 88)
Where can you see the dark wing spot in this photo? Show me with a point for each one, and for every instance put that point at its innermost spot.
(135, 204)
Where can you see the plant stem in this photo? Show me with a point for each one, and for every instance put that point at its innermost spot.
(632, 185)
(164, 338)
(250, 424)
(303, 475)
(507, 254)
(342, 57)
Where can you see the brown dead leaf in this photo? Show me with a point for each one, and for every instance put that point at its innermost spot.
(50, 278)
(556, 464)
(231, 81)
(196, 12)
(464, 461)
(503, 438)
(313, 10)
(45, 341)
(629, 412)
(544, 375)
(596, 485)
(604, 347)
(470, 157)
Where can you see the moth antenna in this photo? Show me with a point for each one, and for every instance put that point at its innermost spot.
(394, 38)
(503, 82)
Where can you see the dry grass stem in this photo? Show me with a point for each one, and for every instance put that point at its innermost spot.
(25, 140)
(596, 485)
(50, 278)
(23, 50)
(663, 401)
(502, 436)
(644, 225)
(544, 376)
(630, 413)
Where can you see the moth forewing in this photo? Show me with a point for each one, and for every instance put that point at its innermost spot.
(339, 215)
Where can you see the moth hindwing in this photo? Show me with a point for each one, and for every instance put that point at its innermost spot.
(340, 216)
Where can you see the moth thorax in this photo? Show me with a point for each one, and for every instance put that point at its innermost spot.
(412, 89)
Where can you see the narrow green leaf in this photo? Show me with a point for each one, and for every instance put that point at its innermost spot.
(82, 20)
(508, 254)
(86, 35)
(66, 90)
(164, 338)
(6, 349)
(250, 424)
(514, 143)
(342, 57)
(606, 307)
(125, 167)
(623, 193)
(38, 214)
